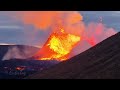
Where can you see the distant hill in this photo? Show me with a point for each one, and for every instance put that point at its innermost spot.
(16, 51)
(99, 62)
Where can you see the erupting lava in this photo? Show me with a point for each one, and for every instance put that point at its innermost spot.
(58, 46)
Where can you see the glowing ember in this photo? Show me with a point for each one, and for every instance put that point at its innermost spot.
(20, 68)
(58, 46)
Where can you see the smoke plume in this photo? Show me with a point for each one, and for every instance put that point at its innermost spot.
(72, 22)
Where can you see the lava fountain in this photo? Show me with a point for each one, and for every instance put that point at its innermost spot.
(58, 46)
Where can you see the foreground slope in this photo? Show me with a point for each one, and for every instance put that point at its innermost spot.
(99, 62)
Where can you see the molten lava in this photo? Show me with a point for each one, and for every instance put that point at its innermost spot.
(58, 46)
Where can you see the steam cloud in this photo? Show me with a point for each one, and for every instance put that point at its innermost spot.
(93, 34)
(19, 52)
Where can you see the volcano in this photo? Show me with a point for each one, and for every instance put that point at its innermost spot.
(99, 62)
(58, 46)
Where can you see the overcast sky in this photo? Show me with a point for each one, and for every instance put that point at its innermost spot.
(15, 31)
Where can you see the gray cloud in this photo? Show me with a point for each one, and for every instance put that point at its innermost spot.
(10, 27)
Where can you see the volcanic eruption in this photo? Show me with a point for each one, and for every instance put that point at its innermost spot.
(58, 46)
(62, 39)
(69, 35)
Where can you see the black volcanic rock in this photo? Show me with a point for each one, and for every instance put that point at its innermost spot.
(16, 51)
(99, 62)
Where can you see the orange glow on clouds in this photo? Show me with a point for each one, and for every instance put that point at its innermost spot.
(73, 28)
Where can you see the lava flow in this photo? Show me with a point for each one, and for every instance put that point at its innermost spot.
(58, 46)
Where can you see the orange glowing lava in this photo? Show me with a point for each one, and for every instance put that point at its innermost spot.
(20, 68)
(58, 46)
